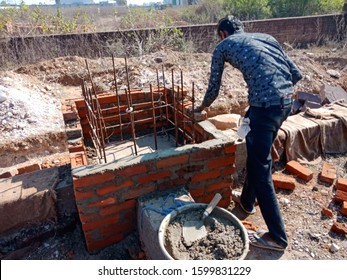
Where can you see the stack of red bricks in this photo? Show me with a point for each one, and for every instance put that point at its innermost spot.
(327, 175)
(74, 131)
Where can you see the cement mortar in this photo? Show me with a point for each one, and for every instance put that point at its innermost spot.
(223, 239)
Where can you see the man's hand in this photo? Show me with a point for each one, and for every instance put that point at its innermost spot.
(199, 108)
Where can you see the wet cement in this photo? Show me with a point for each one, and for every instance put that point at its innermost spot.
(223, 240)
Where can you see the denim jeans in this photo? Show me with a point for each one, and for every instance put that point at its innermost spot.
(264, 124)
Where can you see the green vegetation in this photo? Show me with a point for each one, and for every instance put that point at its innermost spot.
(31, 20)
(25, 21)
(148, 42)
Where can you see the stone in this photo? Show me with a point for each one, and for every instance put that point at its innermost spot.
(226, 121)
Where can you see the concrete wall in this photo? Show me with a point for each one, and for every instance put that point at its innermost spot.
(298, 31)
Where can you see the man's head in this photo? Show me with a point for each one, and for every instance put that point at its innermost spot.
(228, 26)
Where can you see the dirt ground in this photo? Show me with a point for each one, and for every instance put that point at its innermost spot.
(58, 79)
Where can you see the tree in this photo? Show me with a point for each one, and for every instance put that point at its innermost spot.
(249, 9)
(284, 8)
(121, 2)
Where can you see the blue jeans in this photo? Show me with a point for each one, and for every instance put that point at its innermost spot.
(264, 124)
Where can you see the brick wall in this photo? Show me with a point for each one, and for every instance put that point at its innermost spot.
(106, 194)
(296, 30)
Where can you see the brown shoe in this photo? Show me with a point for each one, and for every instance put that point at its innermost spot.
(262, 239)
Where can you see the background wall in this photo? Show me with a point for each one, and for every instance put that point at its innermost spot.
(299, 31)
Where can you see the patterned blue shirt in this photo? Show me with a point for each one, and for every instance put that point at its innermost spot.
(267, 70)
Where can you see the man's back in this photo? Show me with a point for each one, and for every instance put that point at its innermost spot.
(267, 70)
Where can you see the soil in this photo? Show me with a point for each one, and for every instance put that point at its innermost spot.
(37, 110)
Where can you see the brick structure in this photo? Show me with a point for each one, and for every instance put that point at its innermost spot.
(107, 193)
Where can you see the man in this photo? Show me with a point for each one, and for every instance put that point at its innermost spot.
(270, 76)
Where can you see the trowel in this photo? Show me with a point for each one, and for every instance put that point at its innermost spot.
(195, 229)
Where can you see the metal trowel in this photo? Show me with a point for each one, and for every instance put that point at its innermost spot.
(194, 229)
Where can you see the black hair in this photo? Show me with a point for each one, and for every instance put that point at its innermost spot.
(229, 24)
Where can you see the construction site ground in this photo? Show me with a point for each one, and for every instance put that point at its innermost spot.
(49, 82)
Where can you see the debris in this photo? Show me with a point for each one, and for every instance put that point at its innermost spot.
(334, 73)
(329, 94)
(334, 248)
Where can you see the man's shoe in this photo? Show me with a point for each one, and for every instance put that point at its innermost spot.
(236, 197)
(262, 239)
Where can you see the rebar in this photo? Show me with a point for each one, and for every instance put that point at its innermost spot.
(154, 120)
(117, 95)
(100, 125)
(184, 140)
(130, 110)
(193, 115)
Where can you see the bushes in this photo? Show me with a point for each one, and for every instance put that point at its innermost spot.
(28, 21)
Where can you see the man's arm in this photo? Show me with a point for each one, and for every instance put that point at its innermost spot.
(217, 67)
(294, 70)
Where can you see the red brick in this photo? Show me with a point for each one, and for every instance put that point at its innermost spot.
(104, 202)
(9, 173)
(94, 246)
(93, 179)
(197, 192)
(341, 184)
(154, 177)
(76, 149)
(218, 186)
(327, 212)
(205, 154)
(220, 162)
(328, 173)
(228, 170)
(85, 218)
(173, 161)
(78, 159)
(132, 170)
(205, 176)
(117, 228)
(166, 185)
(226, 198)
(115, 209)
(230, 149)
(136, 192)
(89, 226)
(69, 112)
(340, 196)
(343, 208)
(283, 182)
(207, 198)
(80, 195)
(113, 187)
(339, 228)
(29, 168)
(224, 203)
(299, 170)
